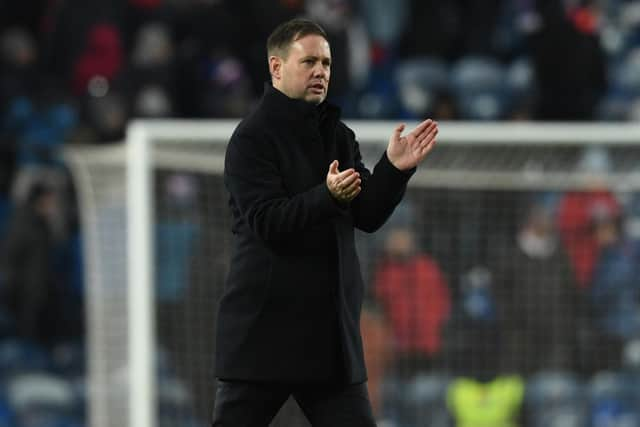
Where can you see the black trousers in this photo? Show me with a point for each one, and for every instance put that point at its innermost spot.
(243, 404)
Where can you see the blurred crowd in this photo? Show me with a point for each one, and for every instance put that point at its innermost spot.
(502, 310)
(77, 71)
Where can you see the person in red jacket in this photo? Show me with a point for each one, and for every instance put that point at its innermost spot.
(414, 293)
(575, 214)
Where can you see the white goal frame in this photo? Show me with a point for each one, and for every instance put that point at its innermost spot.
(142, 136)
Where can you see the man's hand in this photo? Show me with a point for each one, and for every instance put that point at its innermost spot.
(406, 152)
(344, 186)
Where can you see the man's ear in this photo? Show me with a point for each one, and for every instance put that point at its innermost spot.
(275, 67)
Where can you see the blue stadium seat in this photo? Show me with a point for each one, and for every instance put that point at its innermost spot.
(520, 88)
(614, 106)
(420, 400)
(614, 399)
(63, 422)
(479, 84)
(42, 399)
(625, 75)
(174, 398)
(520, 77)
(21, 356)
(174, 247)
(6, 414)
(175, 404)
(555, 399)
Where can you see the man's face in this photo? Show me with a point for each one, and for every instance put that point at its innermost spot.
(305, 73)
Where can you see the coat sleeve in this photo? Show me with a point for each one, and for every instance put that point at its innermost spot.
(381, 192)
(258, 194)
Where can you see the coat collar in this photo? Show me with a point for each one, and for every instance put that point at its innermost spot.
(280, 104)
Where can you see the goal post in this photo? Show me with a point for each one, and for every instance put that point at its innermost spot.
(119, 193)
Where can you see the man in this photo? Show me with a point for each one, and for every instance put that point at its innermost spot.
(288, 323)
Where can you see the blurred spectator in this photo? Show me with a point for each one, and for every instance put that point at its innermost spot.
(615, 290)
(27, 14)
(414, 293)
(67, 30)
(151, 75)
(18, 59)
(450, 29)
(537, 299)
(27, 264)
(153, 102)
(495, 403)
(36, 128)
(105, 118)
(101, 59)
(576, 210)
(18, 78)
(569, 62)
(471, 346)
(261, 16)
(445, 107)
(423, 86)
(225, 89)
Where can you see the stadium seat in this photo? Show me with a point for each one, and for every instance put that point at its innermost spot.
(614, 106)
(625, 75)
(41, 399)
(175, 404)
(631, 357)
(614, 399)
(21, 356)
(175, 244)
(62, 422)
(172, 393)
(520, 87)
(421, 401)
(555, 399)
(479, 84)
(520, 77)
(6, 414)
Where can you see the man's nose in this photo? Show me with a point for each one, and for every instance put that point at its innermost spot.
(319, 71)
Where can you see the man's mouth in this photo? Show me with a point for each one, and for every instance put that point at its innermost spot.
(318, 87)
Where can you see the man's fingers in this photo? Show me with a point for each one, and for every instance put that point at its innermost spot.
(343, 185)
(426, 131)
(424, 150)
(427, 135)
(351, 195)
(423, 127)
(349, 180)
(398, 130)
(333, 167)
(345, 174)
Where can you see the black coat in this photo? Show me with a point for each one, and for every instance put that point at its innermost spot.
(291, 307)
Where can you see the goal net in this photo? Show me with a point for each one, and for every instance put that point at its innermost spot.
(497, 264)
